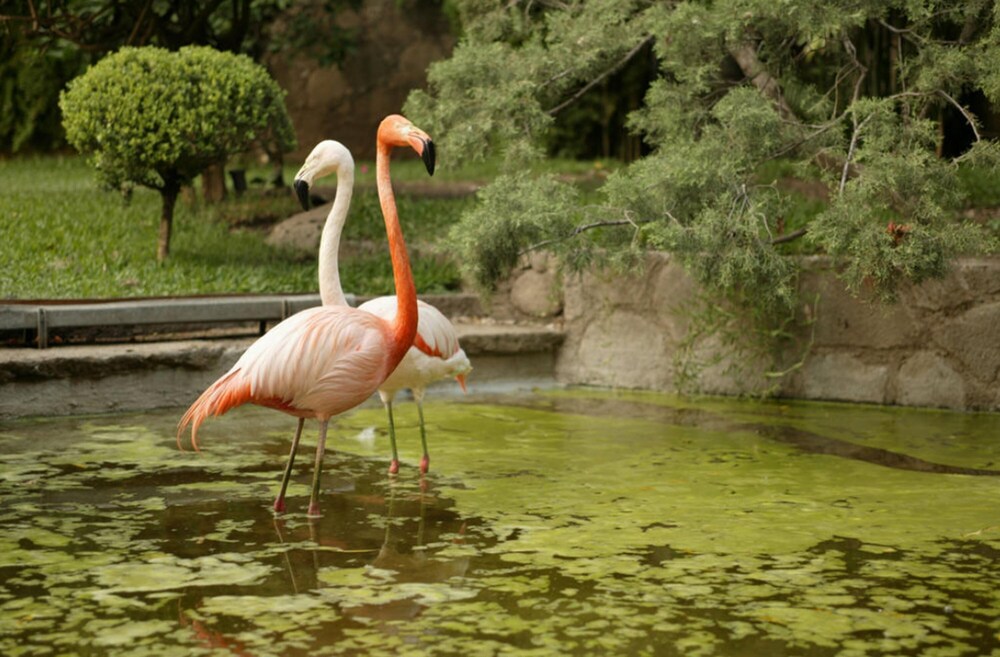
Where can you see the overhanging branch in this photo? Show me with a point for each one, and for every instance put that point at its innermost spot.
(745, 55)
(790, 237)
(590, 85)
(968, 117)
(576, 231)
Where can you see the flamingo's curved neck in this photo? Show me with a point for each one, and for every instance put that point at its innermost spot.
(404, 325)
(330, 289)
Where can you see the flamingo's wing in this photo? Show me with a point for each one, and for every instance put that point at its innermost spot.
(436, 353)
(325, 359)
(436, 333)
(436, 336)
(317, 363)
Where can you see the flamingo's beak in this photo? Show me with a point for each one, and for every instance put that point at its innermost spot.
(302, 191)
(461, 381)
(428, 156)
(423, 145)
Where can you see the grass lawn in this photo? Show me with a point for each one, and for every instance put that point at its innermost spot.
(65, 238)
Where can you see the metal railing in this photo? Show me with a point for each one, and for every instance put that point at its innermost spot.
(44, 317)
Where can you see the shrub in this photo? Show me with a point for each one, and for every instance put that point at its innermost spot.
(854, 96)
(156, 118)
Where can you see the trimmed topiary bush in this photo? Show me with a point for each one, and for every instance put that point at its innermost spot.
(155, 118)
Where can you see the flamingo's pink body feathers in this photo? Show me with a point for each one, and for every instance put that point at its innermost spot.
(315, 364)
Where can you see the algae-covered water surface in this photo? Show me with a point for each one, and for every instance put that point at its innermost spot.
(553, 523)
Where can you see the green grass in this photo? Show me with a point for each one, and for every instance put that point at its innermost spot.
(64, 237)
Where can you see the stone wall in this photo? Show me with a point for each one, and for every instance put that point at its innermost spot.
(938, 346)
(395, 44)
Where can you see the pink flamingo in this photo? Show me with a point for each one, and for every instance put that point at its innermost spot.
(436, 353)
(323, 361)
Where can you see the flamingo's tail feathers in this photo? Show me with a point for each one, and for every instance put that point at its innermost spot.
(224, 394)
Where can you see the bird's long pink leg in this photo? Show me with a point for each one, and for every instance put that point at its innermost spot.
(394, 464)
(318, 471)
(425, 461)
(279, 502)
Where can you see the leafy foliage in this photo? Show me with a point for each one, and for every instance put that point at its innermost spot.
(157, 119)
(509, 211)
(851, 95)
(46, 43)
(153, 118)
(102, 26)
(30, 82)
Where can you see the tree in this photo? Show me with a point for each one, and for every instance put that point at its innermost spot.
(850, 95)
(45, 43)
(238, 26)
(30, 82)
(157, 119)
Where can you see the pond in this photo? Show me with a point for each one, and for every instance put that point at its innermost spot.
(552, 523)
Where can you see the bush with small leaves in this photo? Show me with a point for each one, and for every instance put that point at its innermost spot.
(155, 118)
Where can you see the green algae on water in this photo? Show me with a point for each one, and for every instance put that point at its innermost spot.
(566, 522)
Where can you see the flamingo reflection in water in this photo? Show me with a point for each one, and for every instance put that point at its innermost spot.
(347, 539)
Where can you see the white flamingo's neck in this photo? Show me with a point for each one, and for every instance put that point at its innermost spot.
(330, 290)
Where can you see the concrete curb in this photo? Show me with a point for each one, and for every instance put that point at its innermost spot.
(82, 379)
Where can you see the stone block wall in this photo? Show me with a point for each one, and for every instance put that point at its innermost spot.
(939, 345)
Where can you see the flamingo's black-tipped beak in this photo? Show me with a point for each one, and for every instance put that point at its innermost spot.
(428, 156)
(302, 191)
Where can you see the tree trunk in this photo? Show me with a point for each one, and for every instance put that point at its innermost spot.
(239, 178)
(213, 182)
(277, 161)
(745, 55)
(169, 196)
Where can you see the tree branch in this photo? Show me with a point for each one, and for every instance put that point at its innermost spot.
(138, 23)
(746, 57)
(911, 36)
(973, 24)
(968, 117)
(576, 231)
(850, 151)
(794, 235)
(590, 85)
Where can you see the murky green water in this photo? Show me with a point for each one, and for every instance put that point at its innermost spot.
(579, 522)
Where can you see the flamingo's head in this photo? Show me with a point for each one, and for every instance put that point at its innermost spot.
(327, 157)
(396, 130)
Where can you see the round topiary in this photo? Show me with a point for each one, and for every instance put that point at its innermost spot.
(151, 117)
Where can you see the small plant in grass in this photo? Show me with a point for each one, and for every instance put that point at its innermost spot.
(157, 119)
